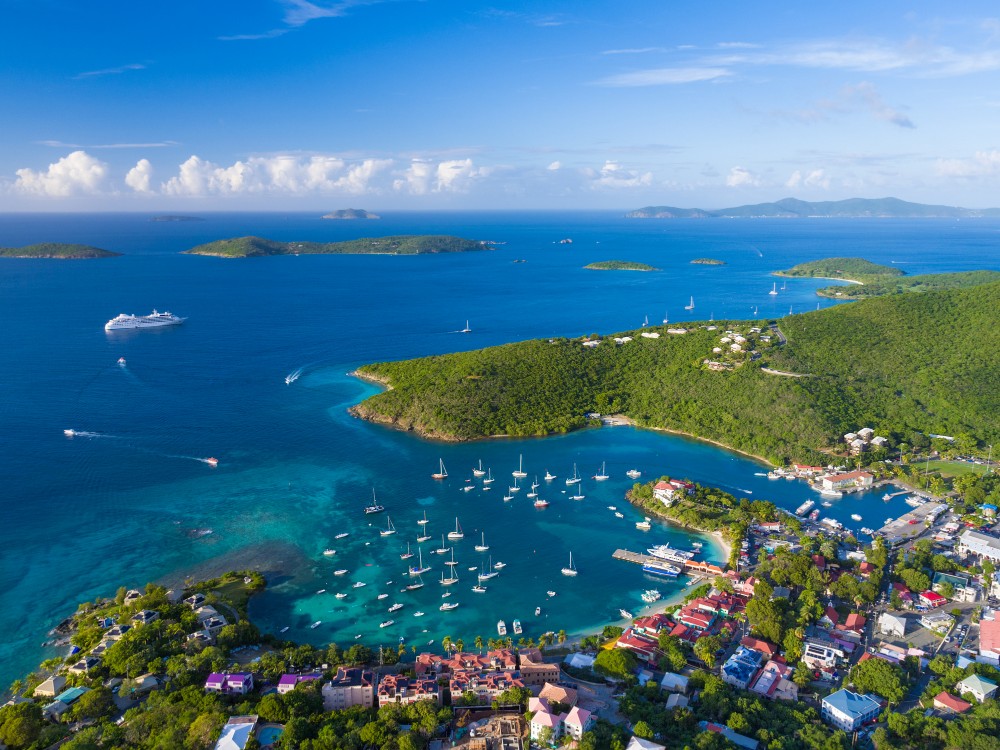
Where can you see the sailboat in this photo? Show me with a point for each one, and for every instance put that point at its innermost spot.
(774, 289)
(423, 521)
(484, 576)
(420, 567)
(569, 570)
(452, 575)
(457, 533)
(575, 479)
(374, 507)
(645, 321)
(480, 471)
(534, 488)
(549, 476)
(442, 472)
(466, 329)
(520, 468)
(755, 311)
(489, 476)
(666, 318)
(442, 550)
(515, 488)
(601, 475)
(389, 529)
(422, 535)
(690, 305)
(784, 285)
(579, 493)
(482, 546)
(406, 555)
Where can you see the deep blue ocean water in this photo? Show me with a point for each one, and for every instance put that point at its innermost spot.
(80, 516)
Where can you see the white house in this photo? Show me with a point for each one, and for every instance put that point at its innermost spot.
(894, 625)
(981, 688)
(848, 710)
(675, 683)
(979, 544)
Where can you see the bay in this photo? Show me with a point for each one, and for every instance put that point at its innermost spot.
(133, 503)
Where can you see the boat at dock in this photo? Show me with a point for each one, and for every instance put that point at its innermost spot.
(501, 628)
(651, 595)
(805, 507)
(670, 554)
(814, 515)
(831, 493)
(661, 568)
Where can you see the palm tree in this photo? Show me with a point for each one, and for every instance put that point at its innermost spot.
(446, 643)
(479, 642)
(562, 636)
(460, 645)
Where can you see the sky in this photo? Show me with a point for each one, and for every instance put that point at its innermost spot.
(441, 104)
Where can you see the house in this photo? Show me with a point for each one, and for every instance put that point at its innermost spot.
(236, 733)
(145, 616)
(85, 665)
(676, 700)
(652, 625)
(830, 618)
(818, 655)
(989, 641)
(979, 544)
(641, 645)
(931, 599)
(238, 683)
(774, 682)
(854, 624)
(939, 622)
(737, 739)
(288, 682)
(904, 594)
(781, 592)
(580, 661)
(947, 702)
(865, 433)
(132, 595)
(558, 694)
(674, 683)
(979, 687)
(866, 569)
(352, 686)
(664, 492)
(740, 668)
(757, 644)
(486, 686)
(848, 710)
(694, 618)
(195, 600)
(577, 721)
(394, 688)
(145, 683)
(51, 687)
(894, 625)
(543, 723)
(843, 481)
(637, 743)
(54, 710)
(533, 675)
(117, 632)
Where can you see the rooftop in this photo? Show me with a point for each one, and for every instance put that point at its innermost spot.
(850, 703)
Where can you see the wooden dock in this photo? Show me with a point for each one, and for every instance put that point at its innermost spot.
(691, 567)
(632, 557)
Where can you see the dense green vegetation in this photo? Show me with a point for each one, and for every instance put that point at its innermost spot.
(792, 208)
(619, 265)
(901, 364)
(60, 250)
(708, 262)
(927, 283)
(404, 244)
(852, 269)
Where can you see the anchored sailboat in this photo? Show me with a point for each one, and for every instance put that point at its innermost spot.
(520, 468)
(457, 533)
(690, 305)
(569, 570)
(442, 472)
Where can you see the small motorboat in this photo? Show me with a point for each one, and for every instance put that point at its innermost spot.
(340, 572)
(329, 552)
(316, 624)
(212, 461)
(284, 629)
(121, 361)
(341, 595)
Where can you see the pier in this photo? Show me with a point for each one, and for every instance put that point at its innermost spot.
(691, 567)
(633, 557)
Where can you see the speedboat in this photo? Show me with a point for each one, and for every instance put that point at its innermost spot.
(500, 566)
(342, 534)
(382, 596)
(329, 552)
(395, 607)
(855, 517)
(448, 606)
(479, 588)
(321, 591)
(538, 611)
(212, 461)
(359, 584)
(387, 623)
(418, 614)
(619, 515)
(341, 595)
(644, 525)
(316, 624)
(284, 629)
(550, 593)
(625, 613)
(340, 572)
(121, 361)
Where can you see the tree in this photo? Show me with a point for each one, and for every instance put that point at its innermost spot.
(479, 643)
(20, 724)
(95, 704)
(880, 677)
(616, 662)
(705, 648)
(643, 730)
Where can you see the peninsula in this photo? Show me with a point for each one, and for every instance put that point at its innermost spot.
(59, 250)
(866, 361)
(792, 208)
(351, 213)
(405, 244)
(858, 270)
(619, 265)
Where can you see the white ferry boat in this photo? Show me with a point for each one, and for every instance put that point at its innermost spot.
(671, 554)
(658, 568)
(153, 320)
(805, 507)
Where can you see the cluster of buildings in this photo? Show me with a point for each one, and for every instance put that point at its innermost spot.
(556, 715)
(863, 440)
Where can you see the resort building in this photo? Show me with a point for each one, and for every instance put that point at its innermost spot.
(394, 688)
(288, 682)
(534, 670)
(236, 733)
(859, 479)
(51, 687)
(979, 687)
(979, 544)
(894, 625)
(848, 710)
(351, 687)
(238, 683)
(545, 725)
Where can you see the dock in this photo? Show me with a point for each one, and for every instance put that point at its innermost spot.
(691, 567)
(632, 557)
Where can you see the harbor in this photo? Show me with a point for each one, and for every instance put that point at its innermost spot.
(690, 567)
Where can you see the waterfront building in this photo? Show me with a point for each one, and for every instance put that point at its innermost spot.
(860, 479)
(395, 688)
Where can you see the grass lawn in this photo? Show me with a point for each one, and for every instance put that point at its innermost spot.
(954, 468)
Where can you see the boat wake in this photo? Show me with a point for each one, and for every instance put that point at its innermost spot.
(293, 376)
(86, 433)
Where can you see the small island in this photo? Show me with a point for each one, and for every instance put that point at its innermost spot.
(250, 247)
(351, 213)
(619, 265)
(708, 262)
(58, 250)
(856, 270)
(903, 284)
(175, 217)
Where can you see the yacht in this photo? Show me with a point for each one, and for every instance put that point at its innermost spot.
(468, 487)
(121, 362)
(482, 546)
(448, 606)
(579, 493)
(442, 473)
(515, 488)
(805, 507)
(670, 554)
(395, 607)
(457, 533)
(387, 623)
(538, 611)
(380, 597)
(569, 570)
(520, 473)
(329, 552)
(619, 514)
(480, 471)
(466, 329)
(340, 595)
(831, 493)
(602, 475)
(451, 579)
(517, 627)
(549, 476)
(826, 504)
(501, 628)
(359, 584)
(374, 507)
(484, 576)
(575, 479)
(418, 614)
(340, 572)
(211, 461)
(633, 473)
(316, 624)
(153, 320)
(389, 529)
(541, 502)
(651, 595)
(498, 565)
(442, 550)
(534, 489)
(626, 614)
(414, 586)
(644, 525)
(342, 534)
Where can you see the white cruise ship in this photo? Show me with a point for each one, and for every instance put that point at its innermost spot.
(666, 552)
(153, 320)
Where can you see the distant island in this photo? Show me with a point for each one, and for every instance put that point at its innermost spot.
(619, 265)
(708, 262)
(860, 358)
(405, 244)
(60, 250)
(792, 208)
(351, 213)
(174, 217)
(857, 270)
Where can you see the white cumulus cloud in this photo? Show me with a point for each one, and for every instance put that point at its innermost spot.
(982, 164)
(75, 173)
(816, 178)
(139, 176)
(740, 177)
(556, 165)
(423, 176)
(614, 176)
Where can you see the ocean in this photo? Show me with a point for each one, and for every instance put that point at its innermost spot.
(132, 499)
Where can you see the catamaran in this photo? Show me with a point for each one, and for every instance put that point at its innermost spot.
(482, 546)
(690, 305)
(457, 533)
(374, 507)
(569, 570)
(575, 479)
(389, 529)
(602, 475)
(480, 471)
(520, 468)
(442, 472)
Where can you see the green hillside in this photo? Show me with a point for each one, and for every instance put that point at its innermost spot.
(61, 250)
(899, 363)
(850, 269)
(247, 247)
(902, 284)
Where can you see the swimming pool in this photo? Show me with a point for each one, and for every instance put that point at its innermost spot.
(269, 735)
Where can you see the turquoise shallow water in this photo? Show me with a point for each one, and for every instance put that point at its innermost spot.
(134, 502)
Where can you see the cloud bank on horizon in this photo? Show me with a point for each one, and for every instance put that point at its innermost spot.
(292, 103)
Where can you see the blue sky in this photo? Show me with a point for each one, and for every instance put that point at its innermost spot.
(292, 104)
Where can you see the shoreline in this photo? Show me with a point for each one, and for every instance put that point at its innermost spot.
(631, 423)
(824, 278)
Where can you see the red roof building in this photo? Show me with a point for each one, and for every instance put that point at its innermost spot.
(695, 618)
(652, 625)
(819, 561)
(932, 599)
(866, 569)
(831, 615)
(948, 702)
(641, 645)
(758, 645)
(854, 623)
